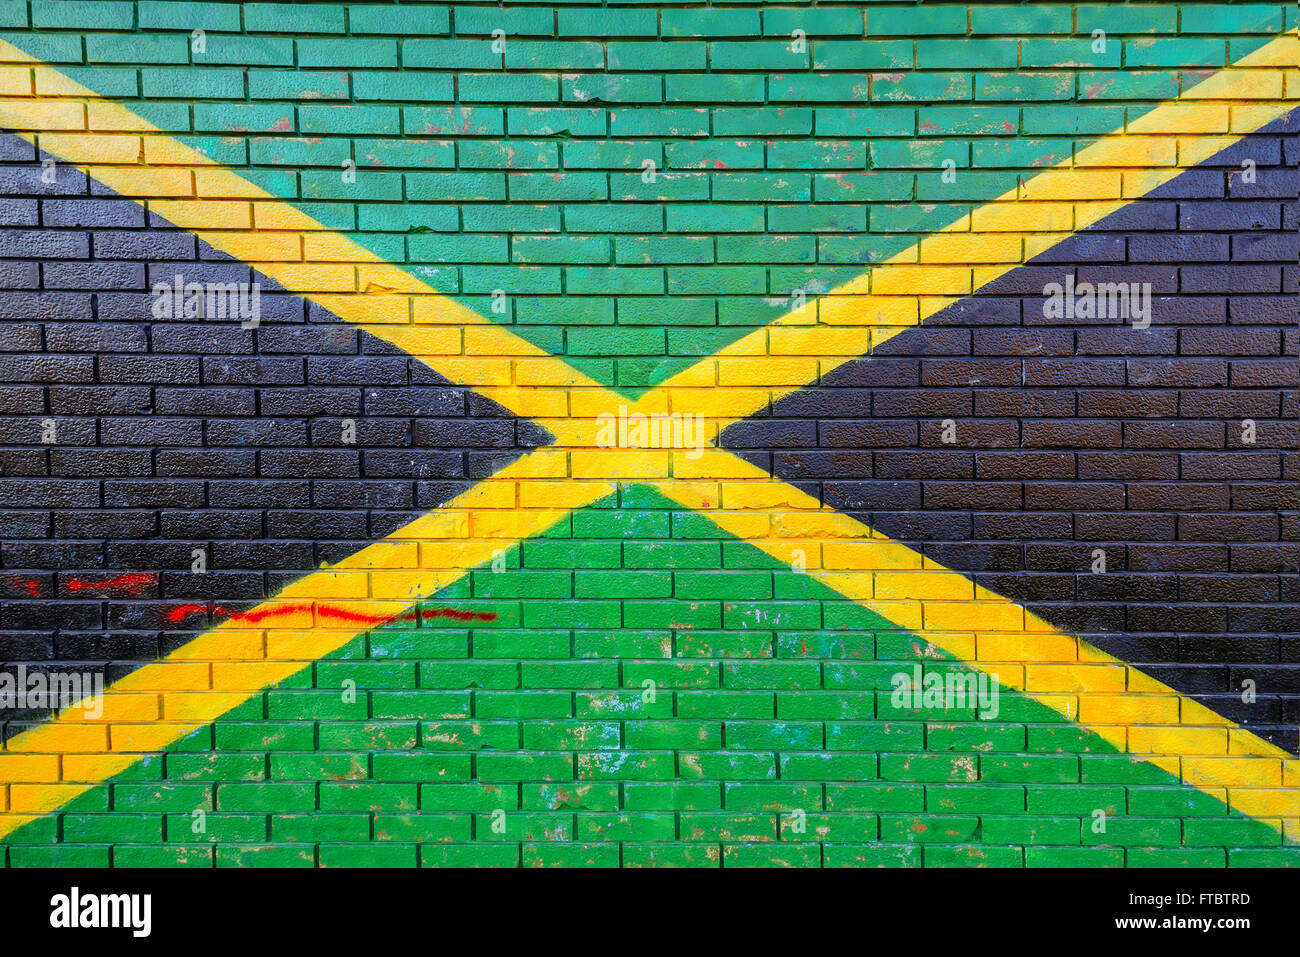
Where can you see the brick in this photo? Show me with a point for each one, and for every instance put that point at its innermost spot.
(636, 683)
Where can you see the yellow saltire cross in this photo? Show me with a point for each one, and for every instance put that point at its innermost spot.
(47, 766)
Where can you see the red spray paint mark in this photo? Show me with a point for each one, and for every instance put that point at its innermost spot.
(428, 614)
(258, 615)
(33, 588)
(181, 612)
(132, 584)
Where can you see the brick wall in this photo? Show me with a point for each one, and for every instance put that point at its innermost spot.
(642, 676)
(1072, 434)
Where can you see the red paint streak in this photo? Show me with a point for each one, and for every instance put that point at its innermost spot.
(181, 612)
(33, 588)
(428, 614)
(132, 584)
(258, 615)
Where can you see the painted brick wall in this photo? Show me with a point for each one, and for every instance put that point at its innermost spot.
(438, 622)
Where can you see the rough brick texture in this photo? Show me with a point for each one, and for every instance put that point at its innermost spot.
(597, 201)
(1072, 434)
(190, 434)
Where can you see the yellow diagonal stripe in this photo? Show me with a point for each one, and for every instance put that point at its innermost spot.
(159, 703)
(921, 281)
(1126, 707)
(257, 227)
